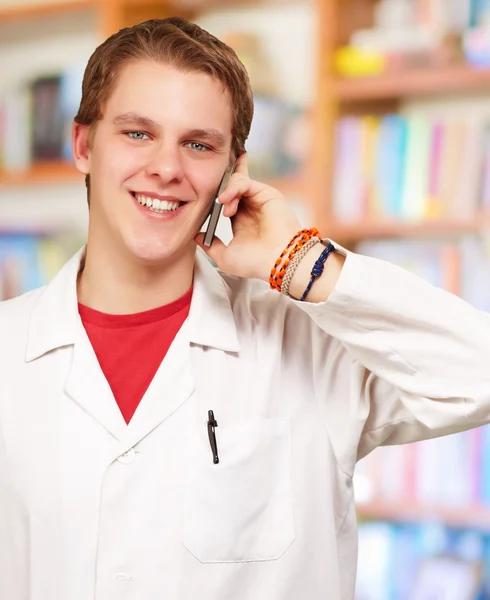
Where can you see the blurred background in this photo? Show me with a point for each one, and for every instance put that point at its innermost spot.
(373, 118)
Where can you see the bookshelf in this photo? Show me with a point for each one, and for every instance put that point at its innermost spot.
(41, 172)
(422, 82)
(109, 16)
(472, 517)
(11, 13)
(338, 97)
(380, 229)
(125, 10)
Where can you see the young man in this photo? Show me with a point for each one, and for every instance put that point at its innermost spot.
(116, 480)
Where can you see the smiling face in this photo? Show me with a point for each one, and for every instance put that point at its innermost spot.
(155, 161)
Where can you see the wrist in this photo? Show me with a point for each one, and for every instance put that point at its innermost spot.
(288, 257)
(324, 285)
(302, 275)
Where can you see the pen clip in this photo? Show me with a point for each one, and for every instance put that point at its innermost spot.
(212, 423)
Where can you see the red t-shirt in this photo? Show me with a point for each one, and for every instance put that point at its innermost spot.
(130, 348)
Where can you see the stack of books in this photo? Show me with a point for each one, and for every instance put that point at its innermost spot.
(412, 168)
(37, 119)
(28, 261)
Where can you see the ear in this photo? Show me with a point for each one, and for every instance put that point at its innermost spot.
(81, 147)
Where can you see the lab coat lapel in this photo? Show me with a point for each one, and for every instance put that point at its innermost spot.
(87, 386)
(56, 325)
(171, 387)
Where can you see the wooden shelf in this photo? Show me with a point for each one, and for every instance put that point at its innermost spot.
(412, 83)
(47, 173)
(41, 9)
(475, 516)
(397, 229)
(59, 171)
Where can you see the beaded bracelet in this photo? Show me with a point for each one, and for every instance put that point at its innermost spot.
(296, 243)
(318, 268)
(293, 265)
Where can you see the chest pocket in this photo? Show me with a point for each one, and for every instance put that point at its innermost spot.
(240, 509)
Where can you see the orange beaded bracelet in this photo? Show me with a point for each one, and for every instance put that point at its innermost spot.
(276, 274)
(279, 269)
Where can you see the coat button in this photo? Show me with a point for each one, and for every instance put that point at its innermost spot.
(127, 457)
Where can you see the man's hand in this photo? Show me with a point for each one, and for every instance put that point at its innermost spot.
(262, 222)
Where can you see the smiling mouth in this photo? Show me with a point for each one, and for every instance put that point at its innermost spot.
(156, 205)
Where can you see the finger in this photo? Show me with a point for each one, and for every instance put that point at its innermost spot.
(240, 186)
(215, 251)
(230, 209)
(242, 165)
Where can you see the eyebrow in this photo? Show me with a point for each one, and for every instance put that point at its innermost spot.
(135, 119)
(211, 135)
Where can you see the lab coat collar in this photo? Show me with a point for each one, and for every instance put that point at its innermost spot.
(54, 320)
(211, 319)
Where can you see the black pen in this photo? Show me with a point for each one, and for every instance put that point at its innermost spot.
(212, 423)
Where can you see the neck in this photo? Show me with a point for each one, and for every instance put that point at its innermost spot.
(115, 284)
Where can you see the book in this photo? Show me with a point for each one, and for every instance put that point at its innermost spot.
(70, 97)
(413, 168)
(28, 261)
(415, 192)
(16, 129)
(348, 179)
(47, 124)
(422, 562)
(390, 165)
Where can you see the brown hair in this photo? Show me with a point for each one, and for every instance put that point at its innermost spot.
(173, 41)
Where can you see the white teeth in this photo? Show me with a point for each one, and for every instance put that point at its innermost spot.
(156, 205)
(165, 205)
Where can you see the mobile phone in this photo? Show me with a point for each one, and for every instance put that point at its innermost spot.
(217, 207)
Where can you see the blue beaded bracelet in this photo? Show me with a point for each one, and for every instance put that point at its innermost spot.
(318, 268)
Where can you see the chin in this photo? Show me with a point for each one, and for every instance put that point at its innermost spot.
(158, 252)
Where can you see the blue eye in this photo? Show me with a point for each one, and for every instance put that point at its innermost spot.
(137, 135)
(197, 146)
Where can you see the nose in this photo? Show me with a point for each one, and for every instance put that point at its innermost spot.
(165, 163)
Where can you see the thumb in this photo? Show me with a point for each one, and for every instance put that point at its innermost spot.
(215, 251)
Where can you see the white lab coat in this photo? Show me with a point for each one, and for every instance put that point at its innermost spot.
(94, 509)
